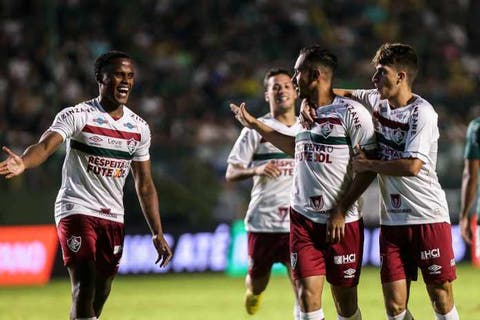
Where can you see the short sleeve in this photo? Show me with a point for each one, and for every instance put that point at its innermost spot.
(368, 98)
(244, 148)
(67, 123)
(360, 127)
(142, 152)
(422, 132)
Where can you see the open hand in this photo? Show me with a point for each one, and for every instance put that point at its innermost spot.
(12, 166)
(242, 115)
(164, 252)
(308, 115)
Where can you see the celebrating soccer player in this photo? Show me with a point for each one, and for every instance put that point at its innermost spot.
(104, 140)
(326, 229)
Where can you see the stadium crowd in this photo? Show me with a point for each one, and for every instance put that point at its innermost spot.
(194, 57)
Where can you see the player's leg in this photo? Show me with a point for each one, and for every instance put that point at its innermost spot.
(82, 278)
(395, 295)
(296, 306)
(108, 254)
(437, 262)
(308, 264)
(77, 239)
(344, 262)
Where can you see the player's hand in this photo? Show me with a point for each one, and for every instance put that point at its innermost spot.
(308, 114)
(12, 166)
(335, 226)
(164, 252)
(360, 160)
(242, 115)
(465, 229)
(268, 169)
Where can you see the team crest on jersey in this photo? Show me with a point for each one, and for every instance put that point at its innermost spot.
(293, 259)
(74, 243)
(132, 145)
(282, 212)
(317, 202)
(398, 136)
(395, 200)
(325, 129)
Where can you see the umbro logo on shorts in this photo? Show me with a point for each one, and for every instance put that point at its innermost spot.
(435, 269)
(349, 273)
(74, 243)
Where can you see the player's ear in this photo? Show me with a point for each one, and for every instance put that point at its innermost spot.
(401, 76)
(314, 74)
(266, 96)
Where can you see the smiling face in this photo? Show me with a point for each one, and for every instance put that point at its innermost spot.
(115, 82)
(280, 93)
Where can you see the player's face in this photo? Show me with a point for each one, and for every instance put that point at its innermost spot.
(117, 80)
(386, 81)
(301, 78)
(280, 92)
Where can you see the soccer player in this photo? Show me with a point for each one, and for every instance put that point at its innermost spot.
(104, 140)
(267, 220)
(470, 184)
(326, 229)
(415, 223)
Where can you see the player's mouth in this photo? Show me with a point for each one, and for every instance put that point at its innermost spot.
(123, 92)
(282, 98)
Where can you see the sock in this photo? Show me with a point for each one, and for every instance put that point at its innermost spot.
(356, 316)
(314, 315)
(405, 315)
(296, 311)
(451, 315)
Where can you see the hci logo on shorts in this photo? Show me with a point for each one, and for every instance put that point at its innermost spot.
(395, 199)
(74, 243)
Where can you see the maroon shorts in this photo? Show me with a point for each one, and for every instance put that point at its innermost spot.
(264, 249)
(312, 256)
(404, 249)
(86, 238)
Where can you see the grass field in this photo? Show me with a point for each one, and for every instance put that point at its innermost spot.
(215, 297)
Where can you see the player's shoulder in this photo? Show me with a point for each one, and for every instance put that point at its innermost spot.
(129, 114)
(422, 107)
(350, 105)
(78, 110)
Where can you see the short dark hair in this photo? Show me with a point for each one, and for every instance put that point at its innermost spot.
(273, 72)
(316, 56)
(107, 58)
(399, 55)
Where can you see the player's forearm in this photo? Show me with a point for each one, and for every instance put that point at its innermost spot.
(468, 194)
(238, 174)
(398, 168)
(147, 196)
(281, 141)
(35, 155)
(343, 92)
(360, 183)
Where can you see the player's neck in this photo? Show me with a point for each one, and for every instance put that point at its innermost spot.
(402, 99)
(322, 97)
(287, 118)
(115, 110)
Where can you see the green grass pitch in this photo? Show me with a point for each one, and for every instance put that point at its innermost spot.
(216, 296)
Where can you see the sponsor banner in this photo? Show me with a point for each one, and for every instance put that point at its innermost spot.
(27, 254)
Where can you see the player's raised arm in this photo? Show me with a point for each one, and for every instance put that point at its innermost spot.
(281, 141)
(33, 156)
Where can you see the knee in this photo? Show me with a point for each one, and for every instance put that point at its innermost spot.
(394, 308)
(442, 300)
(83, 290)
(310, 298)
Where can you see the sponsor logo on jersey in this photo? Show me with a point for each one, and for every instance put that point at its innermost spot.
(435, 269)
(326, 129)
(106, 210)
(95, 139)
(69, 206)
(100, 120)
(349, 273)
(129, 125)
(430, 254)
(344, 259)
(74, 243)
(293, 259)
(317, 202)
(395, 200)
(132, 145)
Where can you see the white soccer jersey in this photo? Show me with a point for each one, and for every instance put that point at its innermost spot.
(408, 132)
(323, 170)
(99, 151)
(268, 210)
